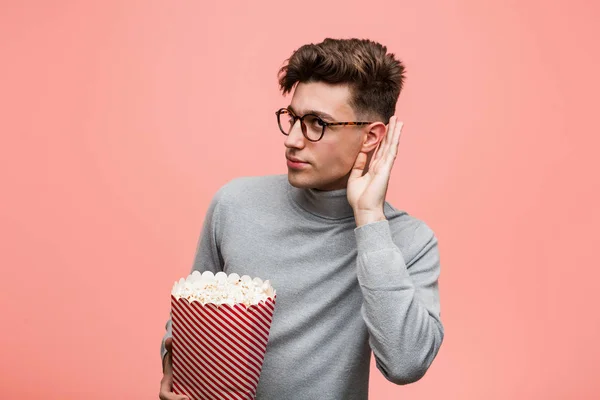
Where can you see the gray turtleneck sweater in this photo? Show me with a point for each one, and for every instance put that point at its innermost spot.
(342, 291)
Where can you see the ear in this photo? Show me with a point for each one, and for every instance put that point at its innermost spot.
(375, 134)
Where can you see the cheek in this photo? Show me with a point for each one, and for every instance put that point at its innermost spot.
(335, 157)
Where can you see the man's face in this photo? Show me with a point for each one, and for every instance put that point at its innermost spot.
(330, 160)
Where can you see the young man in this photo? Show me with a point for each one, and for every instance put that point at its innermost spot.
(353, 274)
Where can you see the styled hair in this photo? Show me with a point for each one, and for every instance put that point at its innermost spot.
(375, 78)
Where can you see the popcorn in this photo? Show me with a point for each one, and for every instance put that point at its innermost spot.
(222, 289)
(221, 327)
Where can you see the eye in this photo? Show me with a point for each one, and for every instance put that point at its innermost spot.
(315, 121)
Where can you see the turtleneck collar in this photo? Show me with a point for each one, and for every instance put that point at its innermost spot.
(331, 204)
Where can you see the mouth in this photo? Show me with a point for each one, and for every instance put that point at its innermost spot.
(295, 159)
(294, 163)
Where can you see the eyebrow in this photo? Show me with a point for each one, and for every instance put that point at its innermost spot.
(316, 112)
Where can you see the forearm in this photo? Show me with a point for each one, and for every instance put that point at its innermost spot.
(400, 309)
(404, 336)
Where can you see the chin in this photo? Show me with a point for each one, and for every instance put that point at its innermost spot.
(305, 181)
(300, 181)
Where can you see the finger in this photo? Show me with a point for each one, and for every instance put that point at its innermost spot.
(390, 134)
(166, 390)
(168, 367)
(384, 144)
(376, 156)
(359, 166)
(393, 150)
(384, 141)
(399, 133)
(172, 396)
(396, 140)
(169, 344)
(166, 384)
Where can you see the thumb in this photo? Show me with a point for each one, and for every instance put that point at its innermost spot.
(359, 166)
(169, 344)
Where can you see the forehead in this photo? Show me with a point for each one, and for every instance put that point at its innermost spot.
(324, 97)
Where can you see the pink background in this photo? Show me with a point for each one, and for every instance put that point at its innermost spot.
(120, 119)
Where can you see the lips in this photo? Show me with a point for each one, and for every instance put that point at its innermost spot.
(294, 159)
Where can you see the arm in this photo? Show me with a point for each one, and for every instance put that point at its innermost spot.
(401, 305)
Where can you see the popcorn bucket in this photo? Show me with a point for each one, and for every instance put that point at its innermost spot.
(218, 350)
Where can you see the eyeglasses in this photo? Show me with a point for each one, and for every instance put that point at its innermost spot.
(313, 127)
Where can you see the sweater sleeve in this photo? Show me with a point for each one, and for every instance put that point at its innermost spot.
(207, 257)
(401, 305)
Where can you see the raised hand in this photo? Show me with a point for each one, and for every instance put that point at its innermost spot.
(366, 193)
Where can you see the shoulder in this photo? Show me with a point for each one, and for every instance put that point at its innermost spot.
(248, 189)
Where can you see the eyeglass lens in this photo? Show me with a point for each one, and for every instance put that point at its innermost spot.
(312, 126)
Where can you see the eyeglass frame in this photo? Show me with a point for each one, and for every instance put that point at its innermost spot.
(301, 118)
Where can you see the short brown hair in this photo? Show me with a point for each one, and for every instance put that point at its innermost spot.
(375, 78)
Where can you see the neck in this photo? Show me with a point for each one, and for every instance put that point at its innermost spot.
(329, 204)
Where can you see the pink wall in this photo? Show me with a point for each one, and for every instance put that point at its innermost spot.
(119, 120)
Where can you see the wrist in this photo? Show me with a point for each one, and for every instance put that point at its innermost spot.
(365, 218)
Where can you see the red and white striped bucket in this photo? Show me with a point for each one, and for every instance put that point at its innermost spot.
(218, 351)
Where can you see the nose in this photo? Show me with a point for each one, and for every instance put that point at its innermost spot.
(295, 139)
